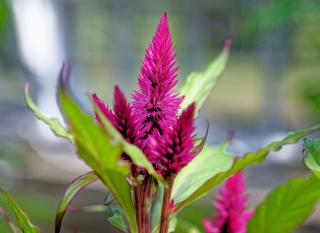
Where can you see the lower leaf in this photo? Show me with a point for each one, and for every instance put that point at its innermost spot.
(23, 220)
(247, 160)
(286, 207)
(76, 186)
(312, 160)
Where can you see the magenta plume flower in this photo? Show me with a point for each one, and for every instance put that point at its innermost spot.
(175, 150)
(156, 105)
(121, 117)
(231, 203)
(152, 122)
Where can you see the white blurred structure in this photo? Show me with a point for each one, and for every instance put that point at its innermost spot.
(41, 50)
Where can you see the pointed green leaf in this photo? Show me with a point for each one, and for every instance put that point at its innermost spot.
(54, 124)
(312, 160)
(286, 207)
(186, 227)
(75, 187)
(156, 209)
(99, 152)
(247, 160)
(11, 225)
(115, 217)
(22, 219)
(173, 223)
(199, 85)
(210, 161)
(88, 209)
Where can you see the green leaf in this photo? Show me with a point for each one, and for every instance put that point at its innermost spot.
(198, 85)
(247, 160)
(131, 150)
(11, 225)
(54, 124)
(98, 150)
(286, 207)
(210, 161)
(115, 217)
(22, 219)
(88, 209)
(75, 187)
(173, 223)
(312, 160)
(156, 209)
(186, 227)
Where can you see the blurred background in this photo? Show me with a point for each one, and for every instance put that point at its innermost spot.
(271, 85)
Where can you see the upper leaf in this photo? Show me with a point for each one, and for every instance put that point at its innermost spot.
(286, 207)
(97, 149)
(76, 186)
(247, 160)
(312, 160)
(198, 85)
(23, 220)
(210, 161)
(54, 124)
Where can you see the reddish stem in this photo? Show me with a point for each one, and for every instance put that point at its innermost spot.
(142, 193)
(165, 214)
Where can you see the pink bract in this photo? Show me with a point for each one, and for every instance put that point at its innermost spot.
(231, 204)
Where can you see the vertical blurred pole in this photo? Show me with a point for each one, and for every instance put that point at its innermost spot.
(274, 52)
(124, 49)
(195, 36)
(41, 49)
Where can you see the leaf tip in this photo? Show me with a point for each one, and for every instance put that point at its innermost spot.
(26, 92)
(64, 75)
(227, 44)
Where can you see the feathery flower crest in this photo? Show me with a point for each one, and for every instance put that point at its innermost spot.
(175, 150)
(231, 203)
(155, 105)
(104, 108)
(121, 116)
(152, 122)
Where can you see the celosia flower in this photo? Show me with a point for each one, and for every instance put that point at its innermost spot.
(156, 104)
(231, 214)
(175, 150)
(152, 122)
(121, 116)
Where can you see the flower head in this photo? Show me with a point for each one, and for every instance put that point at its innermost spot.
(175, 150)
(152, 122)
(231, 203)
(155, 103)
(121, 117)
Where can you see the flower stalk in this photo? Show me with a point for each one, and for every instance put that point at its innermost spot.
(166, 207)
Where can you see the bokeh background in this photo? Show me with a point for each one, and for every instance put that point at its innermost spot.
(271, 85)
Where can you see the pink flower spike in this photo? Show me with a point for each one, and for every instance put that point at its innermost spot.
(227, 44)
(155, 104)
(123, 115)
(103, 108)
(175, 150)
(231, 203)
